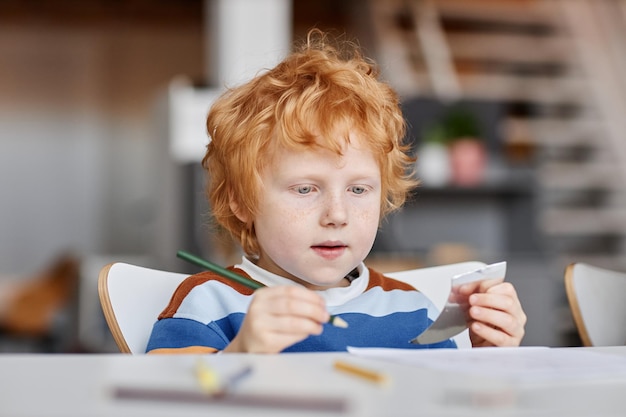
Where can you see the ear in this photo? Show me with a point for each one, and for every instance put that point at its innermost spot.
(236, 209)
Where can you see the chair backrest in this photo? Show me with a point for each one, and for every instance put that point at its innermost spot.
(133, 296)
(435, 283)
(596, 300)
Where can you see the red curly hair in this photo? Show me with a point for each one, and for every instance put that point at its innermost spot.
(313, 98)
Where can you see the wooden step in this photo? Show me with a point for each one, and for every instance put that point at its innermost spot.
(395, 42)
(583, 221)
(552, 132)
(571, 175)
(513, 48)
(546, 90)
(528, 12)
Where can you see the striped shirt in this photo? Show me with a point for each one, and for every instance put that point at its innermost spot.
(206, 312)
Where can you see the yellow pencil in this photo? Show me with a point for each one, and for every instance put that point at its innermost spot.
(207, 378)
(215, 384)
(358, 371)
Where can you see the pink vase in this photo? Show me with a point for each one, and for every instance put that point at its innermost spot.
(468, 159)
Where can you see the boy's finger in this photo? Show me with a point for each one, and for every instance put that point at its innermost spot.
(502, 302)
(295, 301)
(487, 284)
(297, 327)
(479, 286)
(492, 335)
(512, 324)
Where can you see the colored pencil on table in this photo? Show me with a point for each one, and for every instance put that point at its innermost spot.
(358, 371)
(218, 384)
(207, 378)
(334, 320)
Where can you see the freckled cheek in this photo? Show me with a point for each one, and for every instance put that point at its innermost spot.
(288, 221)
(368, 219)
(285, 233)
(292, 214)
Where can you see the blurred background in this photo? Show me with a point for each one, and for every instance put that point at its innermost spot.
(515, 111)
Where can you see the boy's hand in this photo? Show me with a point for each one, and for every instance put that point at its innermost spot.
(495, 313)
(277, 318)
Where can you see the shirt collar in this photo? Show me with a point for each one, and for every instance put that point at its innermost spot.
(333, 296)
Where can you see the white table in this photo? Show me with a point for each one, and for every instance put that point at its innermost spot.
(84, 385)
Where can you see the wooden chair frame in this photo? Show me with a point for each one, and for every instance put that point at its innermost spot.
(574, 305)
(107, 309)
(129, 325)
(596, 300)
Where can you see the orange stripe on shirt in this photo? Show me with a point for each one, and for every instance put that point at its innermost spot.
(198, 279)
(387, 284)
(183, 350)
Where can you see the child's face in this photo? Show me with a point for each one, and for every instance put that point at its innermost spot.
(318, 214)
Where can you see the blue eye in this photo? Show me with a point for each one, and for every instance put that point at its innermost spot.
(304, 189)
(358, 190)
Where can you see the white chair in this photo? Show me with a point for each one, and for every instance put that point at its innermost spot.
(133, 296)
(596, 300)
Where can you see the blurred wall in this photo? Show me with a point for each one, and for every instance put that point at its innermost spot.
(77, 142)
(79, 83)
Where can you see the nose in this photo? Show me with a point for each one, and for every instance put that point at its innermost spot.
(335, 211)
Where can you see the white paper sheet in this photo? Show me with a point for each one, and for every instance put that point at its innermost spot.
(528, 364)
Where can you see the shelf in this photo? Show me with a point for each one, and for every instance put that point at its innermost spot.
(509, 182)
(486, 190)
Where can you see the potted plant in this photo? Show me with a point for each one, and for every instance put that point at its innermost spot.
(468, 154)
(458, 133)
(433, 159)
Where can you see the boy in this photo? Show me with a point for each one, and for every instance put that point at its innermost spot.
(304, 162)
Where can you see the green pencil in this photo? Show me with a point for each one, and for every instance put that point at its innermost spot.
(219, 270)
(334, 320)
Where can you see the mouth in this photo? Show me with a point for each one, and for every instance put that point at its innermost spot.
(330, 250)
